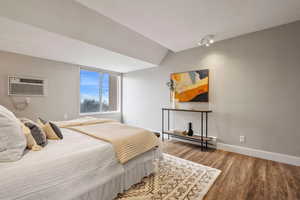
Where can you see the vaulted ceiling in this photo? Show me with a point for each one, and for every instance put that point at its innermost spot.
(180, 24)
(67, 31)
(127, 35)
(29, 40)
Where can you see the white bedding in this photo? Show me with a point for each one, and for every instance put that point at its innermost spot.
(68, 169)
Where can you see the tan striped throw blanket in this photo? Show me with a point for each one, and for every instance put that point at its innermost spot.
(128, 141)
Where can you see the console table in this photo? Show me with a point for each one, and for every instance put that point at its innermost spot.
(202, 139)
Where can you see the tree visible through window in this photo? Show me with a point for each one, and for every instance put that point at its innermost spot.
(99, 92)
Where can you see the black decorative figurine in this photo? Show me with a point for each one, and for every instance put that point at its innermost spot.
(190, 131)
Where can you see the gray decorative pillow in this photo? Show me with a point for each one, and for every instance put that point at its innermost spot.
(12, 139)
(52, 131)
(36, 131)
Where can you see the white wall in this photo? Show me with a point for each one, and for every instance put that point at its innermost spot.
(63, 87)
(254, 90)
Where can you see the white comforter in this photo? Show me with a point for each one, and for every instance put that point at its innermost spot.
(62, 170)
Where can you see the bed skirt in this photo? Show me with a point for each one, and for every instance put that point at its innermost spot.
(134, 172)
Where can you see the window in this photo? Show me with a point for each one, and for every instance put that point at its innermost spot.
(99, 92)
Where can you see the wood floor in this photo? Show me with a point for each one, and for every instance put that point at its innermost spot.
(242, 177)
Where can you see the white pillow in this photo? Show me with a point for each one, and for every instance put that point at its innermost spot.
(12, 139)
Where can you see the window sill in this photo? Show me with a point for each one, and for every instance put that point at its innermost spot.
(100, 113)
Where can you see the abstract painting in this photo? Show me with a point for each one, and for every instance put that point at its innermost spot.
(191, 86)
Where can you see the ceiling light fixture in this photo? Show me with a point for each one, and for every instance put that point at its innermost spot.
(207, 40)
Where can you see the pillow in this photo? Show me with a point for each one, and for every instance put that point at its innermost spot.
(52, 131)
(41, 121)
(31, 143)
(12, 140)
(36, 131)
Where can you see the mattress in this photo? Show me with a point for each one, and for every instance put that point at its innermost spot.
(69, 169)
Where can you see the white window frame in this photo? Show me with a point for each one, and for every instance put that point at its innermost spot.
(119, 101)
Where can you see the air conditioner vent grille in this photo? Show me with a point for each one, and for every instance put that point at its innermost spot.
(23, 80)
(22, 89)
(20, 86)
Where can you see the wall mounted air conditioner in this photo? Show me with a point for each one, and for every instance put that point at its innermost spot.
(25, 86)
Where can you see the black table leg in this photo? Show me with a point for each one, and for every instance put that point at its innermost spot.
(168, 123)
(162, 125)
(201, 131)
(206, 128)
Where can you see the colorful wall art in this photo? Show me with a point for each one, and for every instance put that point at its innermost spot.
(191, 86)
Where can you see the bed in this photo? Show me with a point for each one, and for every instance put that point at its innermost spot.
(78, 167)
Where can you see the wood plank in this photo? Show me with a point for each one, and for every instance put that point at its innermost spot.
(243, 177)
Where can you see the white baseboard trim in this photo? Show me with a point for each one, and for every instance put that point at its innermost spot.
(283, 158)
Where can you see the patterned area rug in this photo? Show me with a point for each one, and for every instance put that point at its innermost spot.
(175, 179)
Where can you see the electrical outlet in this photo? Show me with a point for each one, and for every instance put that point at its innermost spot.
(242, 139)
